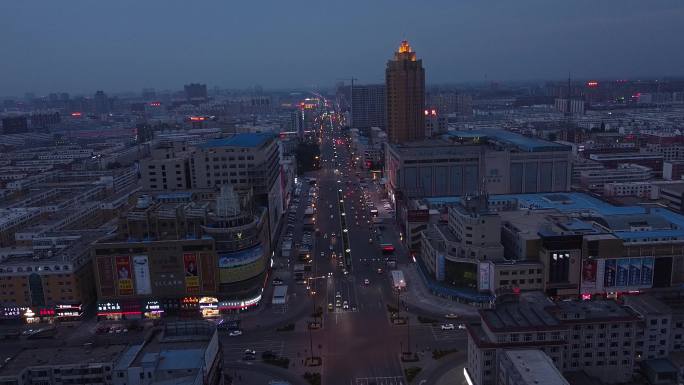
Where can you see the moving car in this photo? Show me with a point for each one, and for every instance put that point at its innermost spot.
(451, 316)
(330, 307)
(448, 327)
(235, 333)
(345, 305)
(366, 281)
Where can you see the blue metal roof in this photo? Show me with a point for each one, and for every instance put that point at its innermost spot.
(240, 140)
(523, 143)
(181, 359)
(575, 202)
(175, 195)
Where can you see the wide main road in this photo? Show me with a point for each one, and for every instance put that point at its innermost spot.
(359, 341)
(360, 344)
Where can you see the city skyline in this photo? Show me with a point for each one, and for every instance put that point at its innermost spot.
(213, 44)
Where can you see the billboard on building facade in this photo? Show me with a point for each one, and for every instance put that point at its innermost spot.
(242, 257)
(124, 274)
(635, 272)
(589, 268)
(208, 272)
(106, 274)
(625, 273)
(485, 276)
(192, 283)
(647, 271)
(141, 271)
(610, 273)
(622, 272)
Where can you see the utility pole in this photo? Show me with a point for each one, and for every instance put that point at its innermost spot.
(311, 345)
(408, 336)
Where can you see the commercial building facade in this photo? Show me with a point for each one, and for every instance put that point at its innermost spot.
(459, 165)
(198, 258)
(596, 337)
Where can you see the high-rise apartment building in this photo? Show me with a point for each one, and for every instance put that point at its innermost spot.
(368, 106)
(101, 103)
(405, 80)
(250, 162)
(195, 91)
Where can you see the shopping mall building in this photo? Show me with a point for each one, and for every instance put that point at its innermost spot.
(183, 255)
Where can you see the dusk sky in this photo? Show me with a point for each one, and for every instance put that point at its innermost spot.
(126, 45)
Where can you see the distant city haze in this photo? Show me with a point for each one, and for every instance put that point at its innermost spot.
(80, 46)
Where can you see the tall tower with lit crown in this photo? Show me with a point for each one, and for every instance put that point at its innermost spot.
(405, 80)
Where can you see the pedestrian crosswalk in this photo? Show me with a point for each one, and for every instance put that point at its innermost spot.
(236, 351)
(396, 380)
(280, 309)
(446, 335)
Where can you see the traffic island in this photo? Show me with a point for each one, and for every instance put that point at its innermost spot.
(411, 373)
(312, 378)
(286, 328)
(313, 361)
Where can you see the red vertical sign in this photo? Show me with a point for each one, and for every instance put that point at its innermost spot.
(124, 273)
(208, 271)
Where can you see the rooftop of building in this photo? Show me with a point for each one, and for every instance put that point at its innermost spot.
(659, 365)
(624, 155)
(524, 316)
(647, 305)
(535, 367)
(61, 356)
(632, 223)
(674, 187)
(180, 345)
(521, 142)
(250, 140)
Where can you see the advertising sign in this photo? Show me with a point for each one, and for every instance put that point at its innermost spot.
(647, 271)
(589, 274)
(168, 275)
(242, 257)
(635, 272)
(622, 272)
(141, 271)
(485, 277)
(192, 283)
(418, 215)
(611, 273)
(123, 273)
(106, 273)
(208, 272)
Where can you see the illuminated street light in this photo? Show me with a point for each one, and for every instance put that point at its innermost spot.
(348, 250)
(345, 230)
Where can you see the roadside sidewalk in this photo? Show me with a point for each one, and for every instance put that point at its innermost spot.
(419, 296)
